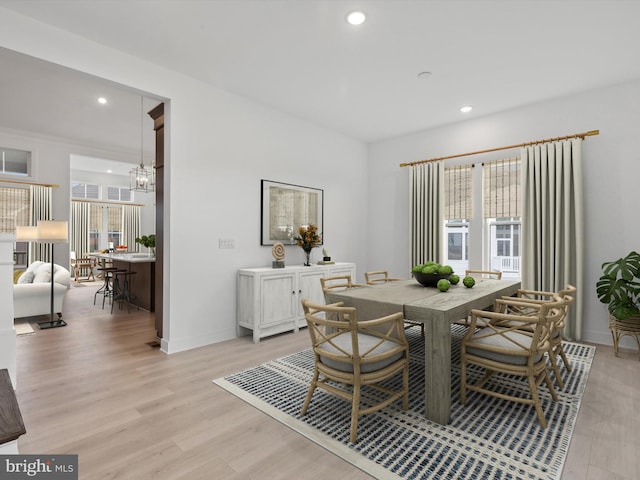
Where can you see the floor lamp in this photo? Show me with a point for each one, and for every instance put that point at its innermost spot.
(47, 231)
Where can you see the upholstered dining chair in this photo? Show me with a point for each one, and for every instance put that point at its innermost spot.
(382, 276)
(356, 355)
(338, 282)
(513, 345)
(536, 296)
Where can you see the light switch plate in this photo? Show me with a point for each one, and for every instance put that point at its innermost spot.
(226, 243)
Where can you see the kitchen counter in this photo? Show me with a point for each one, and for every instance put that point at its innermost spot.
(142, 284)
(131, 257)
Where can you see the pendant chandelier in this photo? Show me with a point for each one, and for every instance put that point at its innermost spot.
(142, 178)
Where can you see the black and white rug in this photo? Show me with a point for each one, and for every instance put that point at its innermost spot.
(487, 437)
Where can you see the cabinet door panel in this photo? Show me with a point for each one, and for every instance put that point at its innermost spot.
(309, 287)
(346, 270)
(278, 294)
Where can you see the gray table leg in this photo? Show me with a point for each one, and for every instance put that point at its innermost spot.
(437, 370)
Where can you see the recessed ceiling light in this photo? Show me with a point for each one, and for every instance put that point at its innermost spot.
(424, 75)
(466, 109)
(109, 171)
(102, 101)
(356, 18)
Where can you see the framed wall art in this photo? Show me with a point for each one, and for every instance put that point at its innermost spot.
(286, 207)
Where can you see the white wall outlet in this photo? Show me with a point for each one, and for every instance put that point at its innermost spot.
(226, 243)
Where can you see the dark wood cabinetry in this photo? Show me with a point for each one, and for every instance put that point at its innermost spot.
(157, 114)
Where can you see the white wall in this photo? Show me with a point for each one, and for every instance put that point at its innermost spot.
(7, 333)
(611, 171)
(217, 149)
(48, 155)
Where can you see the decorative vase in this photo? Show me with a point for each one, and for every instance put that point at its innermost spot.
(307, 256)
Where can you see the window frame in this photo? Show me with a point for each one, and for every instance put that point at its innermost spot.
(17, 175)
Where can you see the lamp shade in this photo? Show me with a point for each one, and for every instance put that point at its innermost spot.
(26, 233)
(51, 231)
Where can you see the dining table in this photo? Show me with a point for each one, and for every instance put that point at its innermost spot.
(437, 311)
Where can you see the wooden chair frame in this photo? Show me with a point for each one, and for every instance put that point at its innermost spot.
(338, 282)
(382, 276)
(78, 264)
(538, 296)
(326, 323)
(532, 353)
(496, 274)
(490, 273)
(379, 276)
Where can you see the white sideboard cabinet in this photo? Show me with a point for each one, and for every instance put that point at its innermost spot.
(269, 300)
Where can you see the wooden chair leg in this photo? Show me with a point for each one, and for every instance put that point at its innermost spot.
(556, 370)
(536, 401)
(355, 408)
(312, 388)
(565, 360)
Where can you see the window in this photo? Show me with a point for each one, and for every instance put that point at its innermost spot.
(490, 238)
(14, 210)
(457, 213)
(457, 240)
(502, 203)
(95, 227)
(105, 226)
(15, 162)
(504, 235)
(115, 225)
(119, 194)
(84, 190)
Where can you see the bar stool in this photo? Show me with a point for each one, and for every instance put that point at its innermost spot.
(123, 293)
(106, 290)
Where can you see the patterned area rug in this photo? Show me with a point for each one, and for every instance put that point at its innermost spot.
(487, 437)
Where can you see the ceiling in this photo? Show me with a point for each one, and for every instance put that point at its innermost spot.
(302, 58)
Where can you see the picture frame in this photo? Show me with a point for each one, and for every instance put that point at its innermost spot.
(285, 207)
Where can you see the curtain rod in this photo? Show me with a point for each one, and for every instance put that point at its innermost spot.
(107, 202)
(566, 137)
(21, 182)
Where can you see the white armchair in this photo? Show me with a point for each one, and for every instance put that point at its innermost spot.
(32, 292)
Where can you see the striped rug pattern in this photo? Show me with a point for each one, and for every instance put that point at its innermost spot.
(487, 437)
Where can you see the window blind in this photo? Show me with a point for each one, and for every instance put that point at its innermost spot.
(457, 193)
(84, 190)
(115, 219)
(501, 185)
(119, 194)
(95, 218)
(14, 208)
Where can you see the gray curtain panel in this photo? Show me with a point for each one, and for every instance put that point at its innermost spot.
(553, 222)
(79, 241)
(130, 226)
(426, 210)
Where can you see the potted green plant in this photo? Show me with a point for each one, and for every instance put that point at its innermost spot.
(619, 286)
(148, 241)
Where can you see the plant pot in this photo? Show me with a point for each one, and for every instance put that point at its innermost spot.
(629, 327)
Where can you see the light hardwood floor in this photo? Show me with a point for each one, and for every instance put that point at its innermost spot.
(96, 388)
